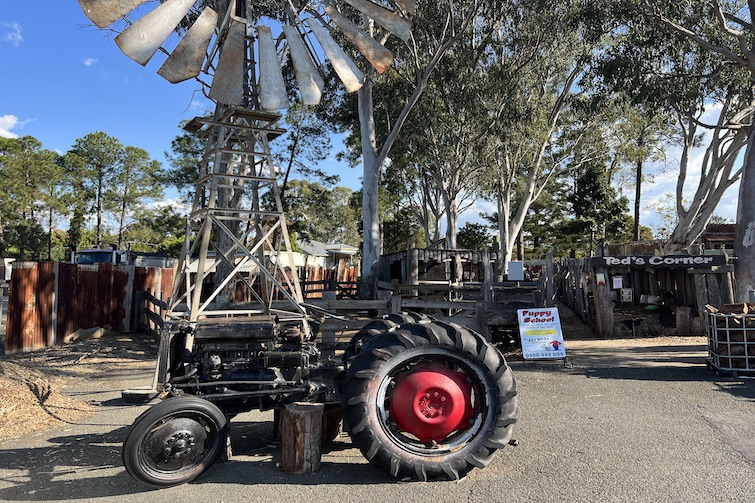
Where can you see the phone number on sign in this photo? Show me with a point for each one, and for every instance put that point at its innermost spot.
(545, 354)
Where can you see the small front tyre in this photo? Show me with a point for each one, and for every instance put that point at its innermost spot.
(174, 441)
(429, 401)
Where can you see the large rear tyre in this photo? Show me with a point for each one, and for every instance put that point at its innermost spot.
(379, 326)
(174, 441)
(429, 401)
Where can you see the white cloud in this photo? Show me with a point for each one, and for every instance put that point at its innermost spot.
(200, 105)
(11, 33)
(8, 122)
(90, 61)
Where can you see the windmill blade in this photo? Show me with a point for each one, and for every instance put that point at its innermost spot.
(378, 56)
(399, 26)
(272, 88)
(228, 81)
(105, 12)
(185, 62)
(351, 76)
(141, 40)
(307, 76)
(407, 5)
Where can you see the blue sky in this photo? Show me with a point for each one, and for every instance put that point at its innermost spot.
(63, 78)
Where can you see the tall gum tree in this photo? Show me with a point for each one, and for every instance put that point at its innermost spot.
(526, 153)
(445, 140)
(725, 30)
(437, 26)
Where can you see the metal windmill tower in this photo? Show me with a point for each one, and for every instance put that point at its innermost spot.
(235, 49)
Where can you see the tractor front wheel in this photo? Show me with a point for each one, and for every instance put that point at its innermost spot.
(174, 441)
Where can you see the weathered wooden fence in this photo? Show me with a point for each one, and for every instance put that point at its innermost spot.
(154, 308)
(48, 301)
(632, 295)
(314, 280)
(342, 280)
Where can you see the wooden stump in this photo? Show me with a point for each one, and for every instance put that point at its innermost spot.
(301, 432)
(331, 425)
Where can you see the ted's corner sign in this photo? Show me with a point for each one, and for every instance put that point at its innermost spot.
(540, 332)
(659, 261)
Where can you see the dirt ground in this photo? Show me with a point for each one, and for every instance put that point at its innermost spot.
(36, 387)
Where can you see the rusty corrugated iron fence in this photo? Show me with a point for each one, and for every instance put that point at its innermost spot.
(48, 301)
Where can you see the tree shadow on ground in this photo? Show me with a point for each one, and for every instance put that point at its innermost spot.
(89, 466)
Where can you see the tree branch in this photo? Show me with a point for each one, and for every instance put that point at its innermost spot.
(652, 11)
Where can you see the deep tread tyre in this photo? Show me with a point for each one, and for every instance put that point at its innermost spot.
(373, 395)
(370, 330)
(379, 326)
(174, 441)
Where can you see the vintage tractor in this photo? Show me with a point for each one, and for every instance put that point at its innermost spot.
(422, 399)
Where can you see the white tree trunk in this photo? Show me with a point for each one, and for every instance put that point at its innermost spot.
(716, 175)
(744, 246)
(370, 186)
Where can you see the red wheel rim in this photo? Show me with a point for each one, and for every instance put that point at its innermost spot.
(431, 401)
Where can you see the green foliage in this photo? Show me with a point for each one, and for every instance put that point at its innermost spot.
(475, 236)
(320, 214)
(92, 165)
(305, 144)
(597, 207)
(160, 229)
(138, 180)
(40, 190)
(399, 225)
(29, 178)
(185, 163)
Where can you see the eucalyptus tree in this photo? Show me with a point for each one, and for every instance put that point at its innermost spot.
(437, 27)
(537, 131)
(639, 136)
(136, 181)
(443, 140)
(667, 71)
(410, 179)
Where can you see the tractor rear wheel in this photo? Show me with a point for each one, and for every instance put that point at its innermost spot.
(429, 401)
(174, 441)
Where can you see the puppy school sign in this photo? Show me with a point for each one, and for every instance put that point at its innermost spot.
(541, 335)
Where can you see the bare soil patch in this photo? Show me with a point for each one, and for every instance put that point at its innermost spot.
(35, 386)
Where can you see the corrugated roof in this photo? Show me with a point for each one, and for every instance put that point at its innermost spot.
(320, 249)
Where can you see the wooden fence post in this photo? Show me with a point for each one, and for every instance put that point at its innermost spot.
(602, 300)
(550, 290)
(482, 320)
(396, 304)
(487, 283)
